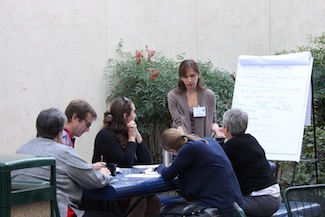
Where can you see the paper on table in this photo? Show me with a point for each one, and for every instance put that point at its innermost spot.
(145, 166)
(112, 180)
(143, 175)
(148, 171)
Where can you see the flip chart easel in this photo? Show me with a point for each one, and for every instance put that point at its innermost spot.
(275, 91)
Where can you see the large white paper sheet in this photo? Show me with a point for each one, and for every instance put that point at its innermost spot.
(275, 92)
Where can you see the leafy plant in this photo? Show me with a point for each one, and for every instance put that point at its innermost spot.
(317, 49)
(147, 76)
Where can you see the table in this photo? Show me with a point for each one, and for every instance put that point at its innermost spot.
(126, 186)
(135, 184)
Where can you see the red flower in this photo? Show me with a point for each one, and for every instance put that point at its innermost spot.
(138, 56)
(150, 52)
(154, 73)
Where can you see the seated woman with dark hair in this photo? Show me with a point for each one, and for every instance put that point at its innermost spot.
(120, 142)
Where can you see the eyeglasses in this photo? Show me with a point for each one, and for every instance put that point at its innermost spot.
(88, 124)
(125, 100)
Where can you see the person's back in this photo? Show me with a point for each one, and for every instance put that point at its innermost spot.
(248, 159)
(205, 175)
(260, 190)
(72, 173)
(210, 179)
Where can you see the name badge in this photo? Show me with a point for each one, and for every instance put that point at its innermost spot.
(199, 112)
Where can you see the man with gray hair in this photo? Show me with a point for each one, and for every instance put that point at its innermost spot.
(259, 188)
(73, 173)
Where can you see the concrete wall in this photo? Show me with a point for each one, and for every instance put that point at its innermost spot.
(55, 50)
(50, 53)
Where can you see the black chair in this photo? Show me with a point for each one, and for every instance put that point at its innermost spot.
(306, 200)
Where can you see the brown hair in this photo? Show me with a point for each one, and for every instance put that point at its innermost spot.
(183, 68)
(81, 108)
(173, 139)
(114, 120)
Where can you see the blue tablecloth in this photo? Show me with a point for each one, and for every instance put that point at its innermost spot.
(125, 187)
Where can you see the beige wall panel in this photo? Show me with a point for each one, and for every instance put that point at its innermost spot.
(55, 50)
(293, 21)
(50, 53)
(166, 26)
(228, 29)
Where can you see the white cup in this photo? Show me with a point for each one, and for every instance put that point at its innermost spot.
(127, 171)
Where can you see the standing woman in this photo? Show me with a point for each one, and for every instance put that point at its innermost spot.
(192, 106)
(120, 142)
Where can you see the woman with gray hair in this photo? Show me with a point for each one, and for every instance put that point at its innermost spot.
(259, 188)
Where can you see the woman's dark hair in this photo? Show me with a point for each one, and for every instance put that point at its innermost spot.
(114, 120)
(183, 68)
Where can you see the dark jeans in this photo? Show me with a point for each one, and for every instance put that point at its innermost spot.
(264, 205)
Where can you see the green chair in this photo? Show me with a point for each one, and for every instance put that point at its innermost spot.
(305, 200)
(23, 191)
(239, 210)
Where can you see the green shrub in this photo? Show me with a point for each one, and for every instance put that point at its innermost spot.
(147, 76)
(317, 49)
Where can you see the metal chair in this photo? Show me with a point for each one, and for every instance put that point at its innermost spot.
(26, 192)
(305, 200)
(239, 210)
